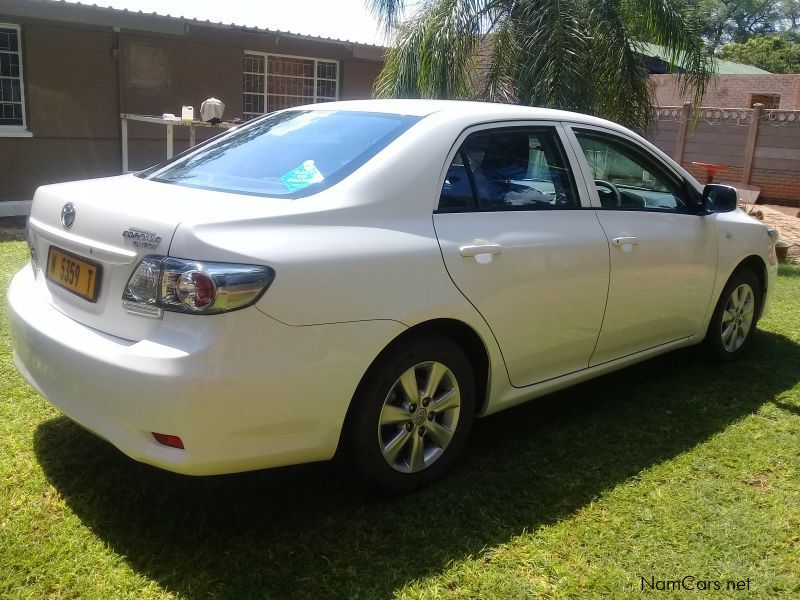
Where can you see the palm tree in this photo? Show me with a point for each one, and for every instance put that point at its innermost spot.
(579, 55)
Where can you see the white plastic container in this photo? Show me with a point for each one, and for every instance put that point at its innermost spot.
(187, 113)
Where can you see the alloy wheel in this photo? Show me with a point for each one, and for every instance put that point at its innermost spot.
(419, 417)
(737, 318)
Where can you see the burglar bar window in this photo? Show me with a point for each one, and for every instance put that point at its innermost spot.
(274, 82)
(12, 107)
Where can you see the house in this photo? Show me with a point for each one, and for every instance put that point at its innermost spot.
(67, 72)
(735, 86)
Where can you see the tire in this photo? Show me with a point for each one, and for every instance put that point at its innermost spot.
(735, 317)
(392, 443)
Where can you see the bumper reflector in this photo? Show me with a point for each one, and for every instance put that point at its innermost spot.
(173, 441)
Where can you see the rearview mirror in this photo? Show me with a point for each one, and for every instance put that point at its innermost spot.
(720, 198)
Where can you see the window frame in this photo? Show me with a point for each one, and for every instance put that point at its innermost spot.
(560, 136)
(691, 193)
(265, 74)
(17, 130)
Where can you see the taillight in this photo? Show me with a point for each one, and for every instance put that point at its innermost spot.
(162, 283)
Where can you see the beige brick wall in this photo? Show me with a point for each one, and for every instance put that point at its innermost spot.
(714, 139)
(732, 91)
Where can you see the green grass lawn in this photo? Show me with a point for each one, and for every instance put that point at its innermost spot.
(671, 468)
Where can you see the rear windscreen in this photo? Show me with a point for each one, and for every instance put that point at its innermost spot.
(288, 154)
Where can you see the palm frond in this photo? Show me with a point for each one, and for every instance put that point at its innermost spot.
(622, 91)
(554, 48)
(678, 31)
(435, 53)
(572, 54)
(499, 59)
(387, 12)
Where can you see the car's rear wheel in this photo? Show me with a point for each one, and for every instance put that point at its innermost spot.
(411, 415)
(735, 317)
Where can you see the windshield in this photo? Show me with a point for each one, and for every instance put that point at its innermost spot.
(288, 154)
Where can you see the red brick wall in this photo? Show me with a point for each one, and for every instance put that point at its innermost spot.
(777, 187)
(732, 91)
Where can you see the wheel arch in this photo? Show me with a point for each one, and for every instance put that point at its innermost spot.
(458, 331)
(758, 266)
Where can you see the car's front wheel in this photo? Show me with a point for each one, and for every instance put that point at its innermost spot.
(411, 415)
(734, 320)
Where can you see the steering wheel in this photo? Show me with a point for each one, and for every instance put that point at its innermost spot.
(601, 183)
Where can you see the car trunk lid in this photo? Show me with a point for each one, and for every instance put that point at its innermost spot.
(114, 223)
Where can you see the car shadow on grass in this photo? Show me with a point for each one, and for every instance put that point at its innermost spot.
(303, 532)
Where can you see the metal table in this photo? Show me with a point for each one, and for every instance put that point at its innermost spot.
(170, 125)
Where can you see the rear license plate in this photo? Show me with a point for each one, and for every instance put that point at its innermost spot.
(72, 273)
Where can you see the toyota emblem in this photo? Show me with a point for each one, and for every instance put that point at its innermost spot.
(68, 215)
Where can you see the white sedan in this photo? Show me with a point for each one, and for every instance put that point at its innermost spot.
(362, 279)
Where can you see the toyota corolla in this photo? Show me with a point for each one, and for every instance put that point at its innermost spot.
(362, 279)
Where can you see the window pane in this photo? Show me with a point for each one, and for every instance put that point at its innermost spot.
(519, 169)
(8, 39)
(457, 191)
(9, 64)
(326, 89)
(11, 110)
(326, 70)
(288, 82)
(10, 114)
(290, 86)
(625, 178)
(292, 154)
(296, 67)
(280, 102)
(10, 90)
(253, 63)
(253, 84)
(253, 104)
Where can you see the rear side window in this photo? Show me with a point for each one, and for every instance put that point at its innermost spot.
(515, 168)
(288, 154)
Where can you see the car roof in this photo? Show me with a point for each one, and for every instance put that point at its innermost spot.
(478, 110)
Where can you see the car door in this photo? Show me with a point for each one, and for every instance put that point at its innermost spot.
(522, 243)
(663, 250)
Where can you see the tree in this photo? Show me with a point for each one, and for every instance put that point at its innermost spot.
(577, 55)
(773, 53)
(738, 20)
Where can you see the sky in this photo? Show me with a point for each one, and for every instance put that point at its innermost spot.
(343, 19)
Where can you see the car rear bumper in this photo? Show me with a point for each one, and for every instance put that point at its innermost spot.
(242, 390)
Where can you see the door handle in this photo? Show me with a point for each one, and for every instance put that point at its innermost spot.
(624, 241)
(477, 249)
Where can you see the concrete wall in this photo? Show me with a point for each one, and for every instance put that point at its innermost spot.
(732, 91)
(79, 77)
(724, 138)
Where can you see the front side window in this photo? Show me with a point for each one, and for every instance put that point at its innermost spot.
(626, 178)
(12, 108)
(513, 168)
(290, 154)
(272, 82)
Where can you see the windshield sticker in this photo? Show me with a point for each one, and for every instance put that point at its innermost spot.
(302, 176)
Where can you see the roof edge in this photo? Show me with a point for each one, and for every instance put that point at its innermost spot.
(92, 14)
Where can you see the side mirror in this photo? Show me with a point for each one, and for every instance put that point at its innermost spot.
(720, 198)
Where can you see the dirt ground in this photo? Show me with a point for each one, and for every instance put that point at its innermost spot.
(786, 221)
(783, 218)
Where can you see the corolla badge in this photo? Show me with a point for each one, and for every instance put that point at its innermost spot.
(68, 215)
(141, 238)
